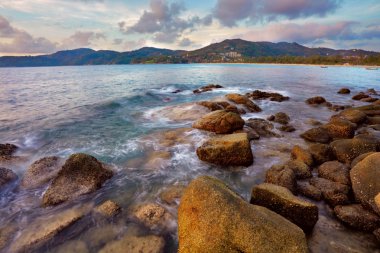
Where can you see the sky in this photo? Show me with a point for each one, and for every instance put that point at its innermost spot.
(32, 27)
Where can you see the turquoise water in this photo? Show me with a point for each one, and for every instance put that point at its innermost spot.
(120, 114)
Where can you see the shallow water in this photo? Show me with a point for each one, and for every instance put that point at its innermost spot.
(122, 115)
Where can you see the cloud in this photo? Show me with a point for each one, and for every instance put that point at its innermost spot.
(185, 42)
(132, 45)
(229, 12)
(81, 39)
(117, 41)
(19, 41)
(164, 22)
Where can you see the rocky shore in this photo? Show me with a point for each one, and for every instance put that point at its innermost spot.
(335, 166)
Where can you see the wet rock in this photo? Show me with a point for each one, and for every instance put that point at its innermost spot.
(373, 120)
(321, 153)
(281, 118)
(369, 100)
(346, 150)
(357, 217)
(220, 122)
(365, 181)
(6, 176)
(360, 158)
(303, 155)
(287, 128)
(344, 91)
(243, 100)
(209, 208)
(301, 169)
(108, 208)
(308, 190)
(228, 150)
(206, 88)
(316, 100)
(376, 102)
(76, 246)
(6, 234)
(41, 172)
(354, 116)
(136, 244)
(7, 149)
(339, 128)
(81, 174)
(370, 110)
(335, 171)
(272, 96)
(212, 106)
(282, 176)
(280, 200)
(98, 236)
(252, 134)
(172, 194)
(43, 229)
(262, 127)
(317, 134)
(313, 122)
(334, 193)
(376, 233)
(360, 96)
(152, 215)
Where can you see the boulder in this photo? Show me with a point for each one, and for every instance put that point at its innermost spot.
(321, 153)
(282, 176)
(172, 194)
(308, 190)
(370, 110)
(151, 215)
(228, 150)
(287, 128)
(43, 229)
(135, 244)
(360, 96)
(357, 217)
(303, 155)
(41, 172)
(365, 181)
(206, 88)
(335, 171)
(339, 128)
(316, 100)
(344, 91)
(369, 99)
(373, 120)
(6, 176)
(262, 127)
(346, 150)
(280, 200)
(7, 149)
(317, 134)
(272, 96)
(243, 100)
(220, 122)
(108, 208)
(281, 118)
(213, 218)
(360, 158)
(354, 116)
(301, 169)
(81, 174)
(334, 193)
(252, 134)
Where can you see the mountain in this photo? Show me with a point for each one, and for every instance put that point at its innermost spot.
(235, 50)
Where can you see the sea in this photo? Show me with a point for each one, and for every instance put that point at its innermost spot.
(137, 119)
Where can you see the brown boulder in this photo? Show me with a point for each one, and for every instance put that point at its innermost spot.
(287, 128)
(220, 122)
(281, 118)
(303, 155)
(213, 218)
(301, 169)
(354, 116)
(334, 193)
(308, 190)
(357, 217)
(262, 127)
(370, 110)
(7, 149)
(360, 96)
(108, 208)
(360, 158)
(6, 176)
(282, 176)
(335, 171)
(316, 100)
(317, 134)
(272, 96)
(344, 91)
(81, 174)
(228, 150)
(152, 215)
(206, 88)
(321, 153)
(280, 200)
(346, 150)
(365, 181)
(243, 100)
(339, 128)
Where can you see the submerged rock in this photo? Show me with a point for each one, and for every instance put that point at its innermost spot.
(321, 153)
(360, 96)
(287, 128)
(334, 193)
(272, 96)
(357, 217)
(346, 150)
(243, 100)
(41, 172)
(344, 91)
(6, 176)
(365, 181)
(317, 134)
(76, 246)
(220, 122)
(152, 215)
(7, 149)
(212, 218)
(262, 127)
(108, 208)
(303, 155)
(370, 110)
(206, 88)
(316, 100)
(281, 118)
(81, 174)
(136, 244)
(232, 149)
(280, 200)
(172, 194)
(282, 176)
(335, 171)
